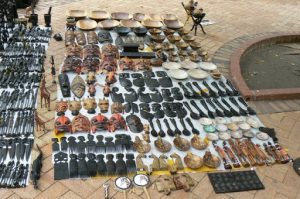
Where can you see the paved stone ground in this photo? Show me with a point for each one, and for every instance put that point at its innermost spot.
(234, 18)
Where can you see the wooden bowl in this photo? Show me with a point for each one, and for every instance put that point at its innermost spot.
(122, 31)
(108, 24)
(129, 23)
(158, 38)
(188, 38)
(140, 31)
(155, 17)
(77, 14)
(121, 15)
(182, 45)
(195, 45)
(155, 31)
(151, 23)
(86, 24)
(168, 31)
(173, 24)
(99, 15)
(169, 17)
(174, 38)
(139, 16)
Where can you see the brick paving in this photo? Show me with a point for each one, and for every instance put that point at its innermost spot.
(234, 18)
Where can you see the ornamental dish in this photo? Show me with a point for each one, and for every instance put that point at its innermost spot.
(99, 15)
(178, 74)
(86, 24)
(121, 15)
(208, 66)
(198, 74)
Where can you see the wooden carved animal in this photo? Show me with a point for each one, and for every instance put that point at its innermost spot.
(45, 94)
(36, 168)
(140, 164)
(40, 124)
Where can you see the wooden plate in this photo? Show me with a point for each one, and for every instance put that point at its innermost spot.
(121, 15)
(86, 24)
(198, 74)
(208, 66)
(171, 65)
(178, 74)
(129, 23)
(151, 23)
(76, 13)
(108, 24)
(99, 15)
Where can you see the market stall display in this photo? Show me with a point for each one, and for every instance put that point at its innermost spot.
(21, 70)
(157, 101)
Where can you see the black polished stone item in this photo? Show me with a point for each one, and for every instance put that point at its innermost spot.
(101, 166)
(226, 182)
(121, 168)
(73, 166)
(110, 165)
(61, 166)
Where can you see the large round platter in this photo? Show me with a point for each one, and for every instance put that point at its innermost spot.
(253, 122)
(108, 24)
(208, 66)
(198, 74)
(99, 15)
(189, 65)
(86, 24)
(221, 127)
(262, 136)
(205, 121)
(77, 14)
(129, 23)
(121, 15)
(244, 126)
(220, 120)
(224, 136)
(178, 74)
(237, 134)
(151, 23)
(212, 136)
(171, 65)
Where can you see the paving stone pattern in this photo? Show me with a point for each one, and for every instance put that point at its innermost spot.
(234, 18)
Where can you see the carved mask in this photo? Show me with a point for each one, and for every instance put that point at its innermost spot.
(103, 105)
(134, 123)
(91, 78)
(75, 106)
(64, 84)
(117, 107)
(81, 123)
(61, 107)
(90, 105)
(78, 86)
(63, 125)
(99, 123)
(116, 121)
(92, 90)
(110, 78)
(106, 90)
